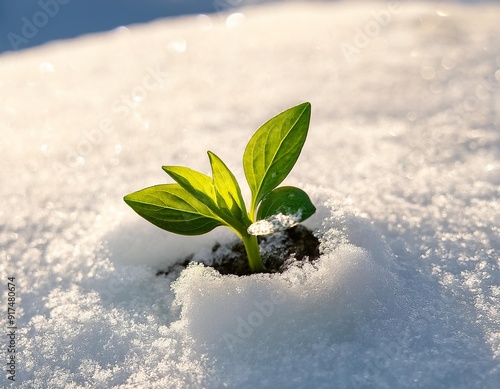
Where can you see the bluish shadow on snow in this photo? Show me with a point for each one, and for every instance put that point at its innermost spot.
(137, 250)
(29, 23)
(138, 242)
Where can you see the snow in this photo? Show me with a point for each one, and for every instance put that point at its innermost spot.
(274, 223)
(401, 161)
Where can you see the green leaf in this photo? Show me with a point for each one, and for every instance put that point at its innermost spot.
(274, 149)
(280, 210)
(286, 200)
(227, 190)
(198, 184)
(173, 209)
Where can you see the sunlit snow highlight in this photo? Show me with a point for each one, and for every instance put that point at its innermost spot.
(274, 223)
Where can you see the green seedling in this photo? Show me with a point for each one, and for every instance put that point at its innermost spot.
(197, 203)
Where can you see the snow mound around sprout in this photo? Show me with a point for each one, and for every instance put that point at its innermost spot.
(356, 299)
(347, 285)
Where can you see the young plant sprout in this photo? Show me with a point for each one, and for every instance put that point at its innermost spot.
(197, 203)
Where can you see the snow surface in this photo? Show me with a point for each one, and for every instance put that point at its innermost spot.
(402, 162)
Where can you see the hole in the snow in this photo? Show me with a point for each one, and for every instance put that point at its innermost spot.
(277, 250)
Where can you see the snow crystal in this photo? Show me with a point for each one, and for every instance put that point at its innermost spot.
(274, 223)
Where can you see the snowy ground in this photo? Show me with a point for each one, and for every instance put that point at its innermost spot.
(402, 162)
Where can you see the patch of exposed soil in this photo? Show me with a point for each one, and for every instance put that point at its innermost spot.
(277, 250)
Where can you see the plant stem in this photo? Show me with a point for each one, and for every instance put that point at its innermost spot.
(253, 253)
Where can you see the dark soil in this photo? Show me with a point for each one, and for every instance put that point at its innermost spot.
(277, 250)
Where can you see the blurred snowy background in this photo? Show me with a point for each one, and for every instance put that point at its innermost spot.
(402, 162)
